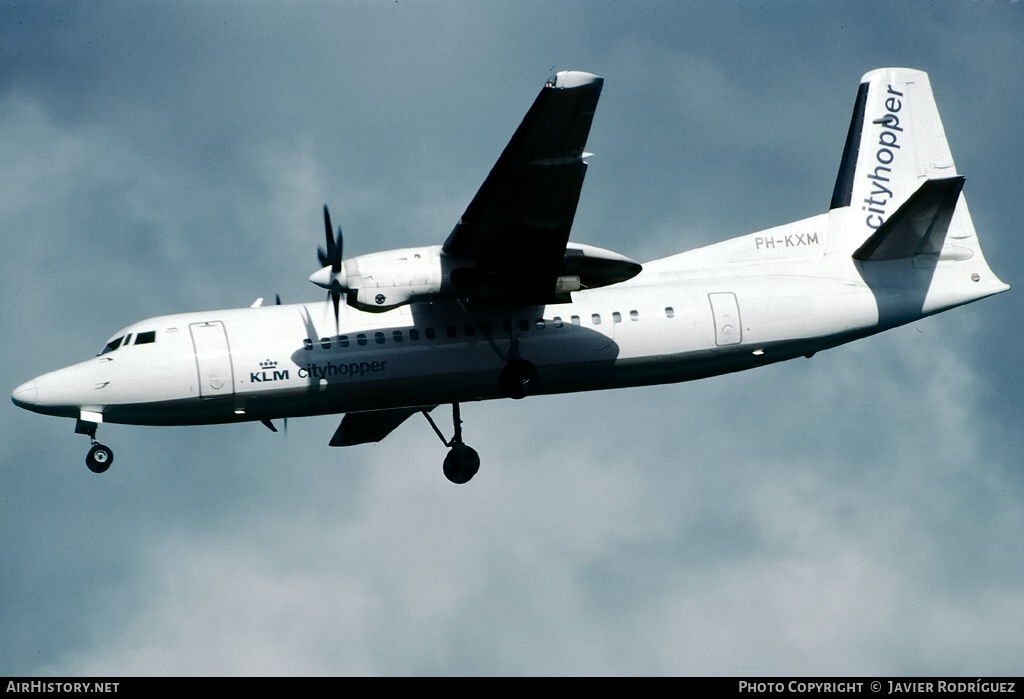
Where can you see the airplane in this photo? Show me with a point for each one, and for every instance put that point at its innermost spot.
(507, 307)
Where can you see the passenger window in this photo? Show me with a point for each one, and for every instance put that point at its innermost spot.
(557, 321)
(470, 330)
(146, 337)
(524, 324)
(378, 337)
(414, 334)
(361, 339)
(307, 344)
(485, 328)
(343, 341)
(450, 331)
(506, 326)
(539, 323)
(575, 320)
(670, 312)
(429, 333)
(616, 317)
(596, 318)
(325, 342)
(634, 315)
(396, 335)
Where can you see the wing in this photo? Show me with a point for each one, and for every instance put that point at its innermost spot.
(516, 228)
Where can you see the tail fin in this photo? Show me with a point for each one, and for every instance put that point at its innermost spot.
(895, 143)
(898, 195)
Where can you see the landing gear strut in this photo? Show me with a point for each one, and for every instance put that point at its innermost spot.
(518, 375)
(462, 461)
(100, 456)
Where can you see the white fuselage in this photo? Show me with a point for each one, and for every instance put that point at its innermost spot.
(753, 300)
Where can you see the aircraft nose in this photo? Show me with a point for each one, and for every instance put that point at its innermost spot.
(62, 392)
(26, 394)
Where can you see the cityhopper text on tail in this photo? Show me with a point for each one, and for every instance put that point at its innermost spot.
(507, 307)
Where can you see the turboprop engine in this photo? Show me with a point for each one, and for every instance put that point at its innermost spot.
(384, 280)
(380, 281)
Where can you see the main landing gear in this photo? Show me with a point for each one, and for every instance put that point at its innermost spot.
(100, 456)
(518, 376)
(462, 461)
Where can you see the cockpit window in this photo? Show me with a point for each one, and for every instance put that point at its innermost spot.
(143, 338)
(112, 345)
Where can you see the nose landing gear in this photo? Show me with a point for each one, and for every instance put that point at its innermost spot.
(100, 456)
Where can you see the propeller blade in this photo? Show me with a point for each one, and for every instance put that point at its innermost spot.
(336, 262)
(328, 233)
(332, 255)
(327, 256)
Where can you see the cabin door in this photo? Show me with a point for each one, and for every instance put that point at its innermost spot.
(213, 359)
(726, 311)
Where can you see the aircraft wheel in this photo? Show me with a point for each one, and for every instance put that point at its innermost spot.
(99, 459)
(517, 378)
(461, 464)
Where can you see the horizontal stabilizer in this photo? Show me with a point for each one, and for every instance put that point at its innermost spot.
(372, 426)
(918, 227)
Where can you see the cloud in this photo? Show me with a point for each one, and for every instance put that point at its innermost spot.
(855, 513)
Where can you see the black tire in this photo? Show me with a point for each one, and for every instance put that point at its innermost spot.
(99, 458)
(461, 464)
(517, 378)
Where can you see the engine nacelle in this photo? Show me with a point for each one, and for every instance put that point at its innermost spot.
(591, 267)
(381, 281)
(384, 280)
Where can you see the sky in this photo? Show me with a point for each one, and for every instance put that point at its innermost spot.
(860, 513)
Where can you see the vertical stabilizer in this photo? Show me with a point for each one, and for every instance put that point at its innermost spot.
(895, 143)
(898, 207)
